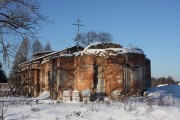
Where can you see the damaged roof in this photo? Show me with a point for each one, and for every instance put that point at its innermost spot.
(98, 48)
(113, 48)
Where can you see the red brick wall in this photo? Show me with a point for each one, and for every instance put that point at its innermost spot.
(77, 72)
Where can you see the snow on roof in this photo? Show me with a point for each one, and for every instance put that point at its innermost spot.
(113, 48)
(101, 43)
(92, 49)
(114, 51)
(67, 55)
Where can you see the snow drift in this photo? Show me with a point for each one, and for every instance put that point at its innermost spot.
(165, 89)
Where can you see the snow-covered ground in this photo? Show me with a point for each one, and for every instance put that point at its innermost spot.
(162, 103)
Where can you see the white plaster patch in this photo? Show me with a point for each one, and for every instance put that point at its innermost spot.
(119, 81)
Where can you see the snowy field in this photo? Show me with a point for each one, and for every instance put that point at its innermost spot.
(162, 103)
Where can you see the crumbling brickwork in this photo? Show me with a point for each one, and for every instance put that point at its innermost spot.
(102, 68)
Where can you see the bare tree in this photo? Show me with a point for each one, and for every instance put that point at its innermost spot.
(23, 52)
(104, 37)
(18, 18)
(3, 109)
(37, 46)
(22, 55)
(47, 47)
(85, 39)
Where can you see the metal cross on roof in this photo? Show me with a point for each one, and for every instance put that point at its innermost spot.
(78, 25)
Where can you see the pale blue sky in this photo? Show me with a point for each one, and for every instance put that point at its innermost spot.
(153, 25)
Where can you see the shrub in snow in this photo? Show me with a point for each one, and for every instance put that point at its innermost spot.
(94, 107)
(3, 109)
(160, 100)
(35, 109)
(86, 99)
(149, 101)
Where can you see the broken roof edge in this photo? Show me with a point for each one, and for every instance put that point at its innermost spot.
(47, 55)
(111, 43)
(101, 43)
(133, 50)
(67, 55)
(88, 51)
(43, 52)
(36, 59)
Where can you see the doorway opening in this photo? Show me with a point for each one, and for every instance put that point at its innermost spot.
(99, 81)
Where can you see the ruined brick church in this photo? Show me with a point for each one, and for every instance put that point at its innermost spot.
(106, 69)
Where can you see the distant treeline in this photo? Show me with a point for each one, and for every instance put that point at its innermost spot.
(163, 80)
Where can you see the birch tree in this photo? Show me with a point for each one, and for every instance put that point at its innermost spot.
(22, 55)
(47, 47)
(37, 46)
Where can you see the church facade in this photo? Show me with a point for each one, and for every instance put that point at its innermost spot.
(105, 69)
